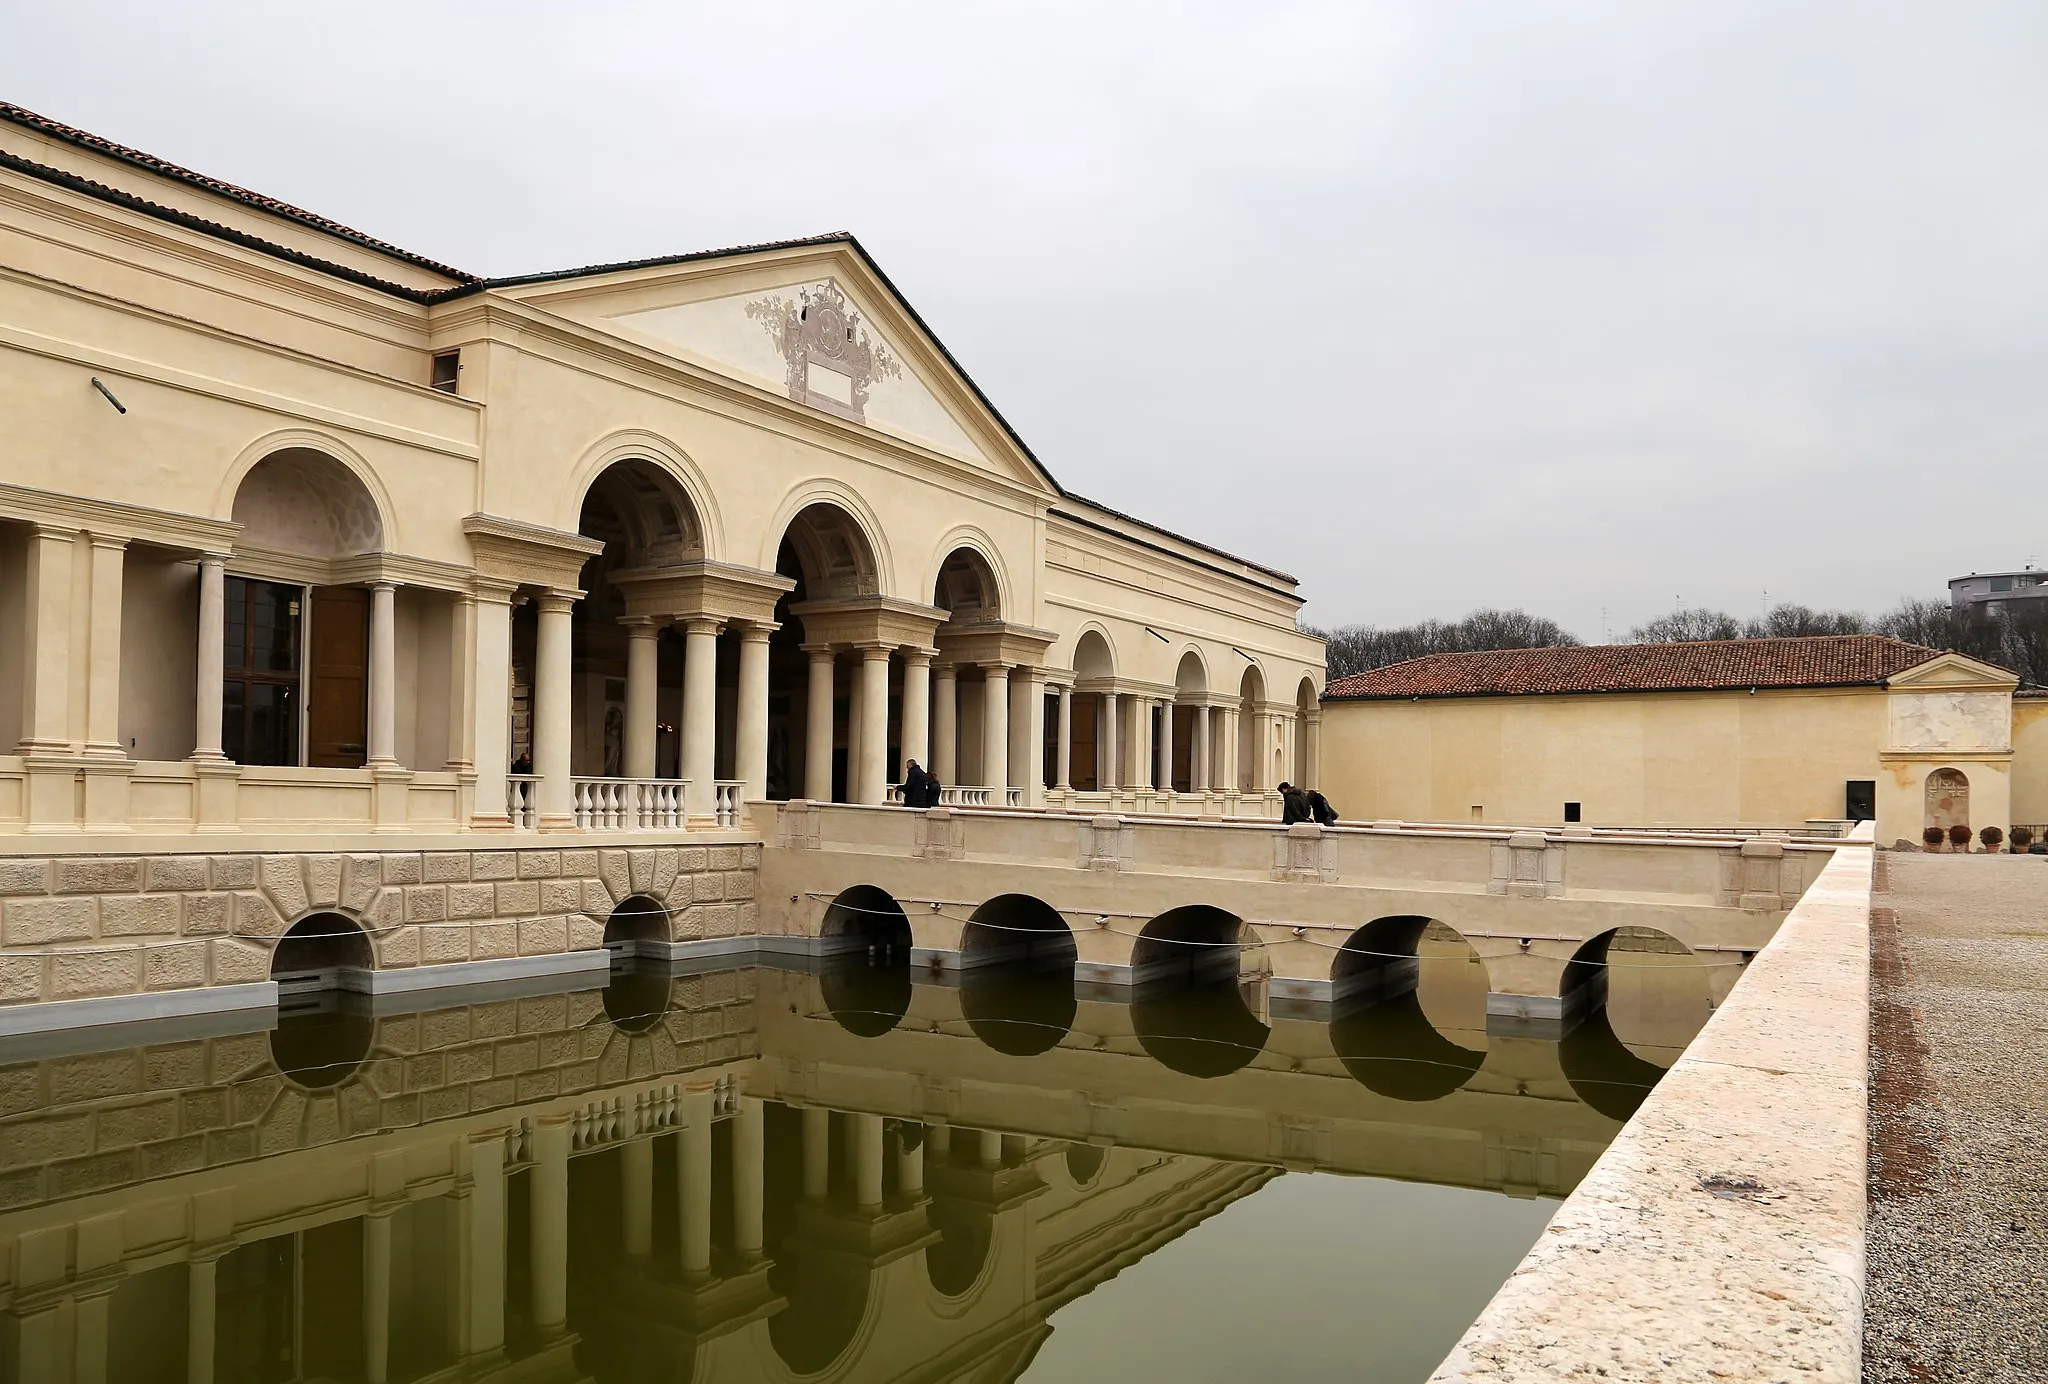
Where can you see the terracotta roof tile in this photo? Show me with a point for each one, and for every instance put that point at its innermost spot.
(1843, 660)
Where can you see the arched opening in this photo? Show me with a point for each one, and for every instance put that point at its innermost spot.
(1305, 711)
(1093, 747)
(638, 926)
(826, 553)
(296, 647)
(1403, 986)
(953, 1263)
(1390, 1047)
(1186, 758)
(636, 998)
(1187, 1005)
(317, 951)
(1649, 980)
(828, 1297)
(647, 522)
(1017, 987)
(1948, 799)
(321, 1045)
(1257, 743)
(1084, 1162)
(1603, 1071)
(866, 981)
(966, 589)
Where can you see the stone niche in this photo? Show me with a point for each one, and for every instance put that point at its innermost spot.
(84, 927)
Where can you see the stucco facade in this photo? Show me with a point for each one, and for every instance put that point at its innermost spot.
(1766, 758)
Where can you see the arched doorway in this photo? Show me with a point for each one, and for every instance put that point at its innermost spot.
(813, 686)
(1660, 984)
(968, 591)
(1256, 751)
(1093, 749)
(1307, 715)
(316, 952)
(866, 982)
(1948, 799)
(1017, 983)
(1188, 760)
(298, 642)
(1188, 1006)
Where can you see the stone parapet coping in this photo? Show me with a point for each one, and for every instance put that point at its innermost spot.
(1720, 1237)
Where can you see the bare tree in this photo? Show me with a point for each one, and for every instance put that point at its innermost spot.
(1687, 627)
(1798, 621)
(1359, 648)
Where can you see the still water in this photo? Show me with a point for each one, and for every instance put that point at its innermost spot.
(771, 1174)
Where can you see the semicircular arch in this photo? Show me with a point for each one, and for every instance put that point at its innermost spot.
(1191, 671)
(1094, 652)
(976, 541)
(638, 444)
(825, 490)
(327, 445)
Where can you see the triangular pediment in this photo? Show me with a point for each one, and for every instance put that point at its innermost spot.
(818, 327)
(1952, 670)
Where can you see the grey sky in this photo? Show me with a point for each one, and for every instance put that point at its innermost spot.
(1569, 306)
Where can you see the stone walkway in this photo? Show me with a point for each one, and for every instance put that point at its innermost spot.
(1958, 1238)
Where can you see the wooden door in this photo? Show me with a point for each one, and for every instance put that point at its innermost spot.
(338, 678)
(1081, 751)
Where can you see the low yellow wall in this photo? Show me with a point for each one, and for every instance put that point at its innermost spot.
(1768, 759)
(2030, 759)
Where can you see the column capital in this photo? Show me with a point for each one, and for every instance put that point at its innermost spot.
(643, 626)
(997, 666)
(555, 601)
(873, 649)
(918, 656)
(756, 631)
(820, 653)
(383, 584)
(492, 590)
(210, 559)
(116, 541)
(700, 624)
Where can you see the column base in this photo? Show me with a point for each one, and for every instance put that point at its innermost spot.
(52, 802)
(389, 784)
(218, 809)
(106, 794)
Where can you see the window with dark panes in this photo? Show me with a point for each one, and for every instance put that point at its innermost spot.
(260, 698)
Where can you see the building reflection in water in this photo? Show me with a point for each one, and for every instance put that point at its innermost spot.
(741, 1174)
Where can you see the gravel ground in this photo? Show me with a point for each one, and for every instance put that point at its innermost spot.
(1958, 1247)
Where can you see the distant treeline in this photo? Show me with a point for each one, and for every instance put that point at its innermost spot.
(2017, 639)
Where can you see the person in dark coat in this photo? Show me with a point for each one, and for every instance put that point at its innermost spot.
(917, 786)
(931, 789)
(1319, 807)
(1293, 806)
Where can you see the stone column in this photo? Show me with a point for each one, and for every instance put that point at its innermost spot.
(1312, 750)
(486, 1276)
(1203, 780)
(995, 727)
(212, 656)
(946, 724)
(1027, 734)
(551, 712)
(1066, 756)
(461, 681)
(991, 1148)
(549, 1224)
(700, 719)
(1259, 736)
(818, 726)
(201, 1286)
(817, 1152)
(864, 1132)
(1166, 745)
(46, 644)
(909, 1168)
(1233, 781)
(637, 1196)
(1141, 743)
(383, 745)
(871, 774)
(377, 1298)
(643, 644)
(103, 651)
(1106, 746)
(750, 734)
(749, 1177)
(693, 1185)
(490, 735)
(917, 675)
(90, 1313)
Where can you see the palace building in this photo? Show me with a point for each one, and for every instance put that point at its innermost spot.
(301, 533)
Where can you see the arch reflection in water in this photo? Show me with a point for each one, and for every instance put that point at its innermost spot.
(317, 949)
(636, 998)
(321, 1045)
(1017, 985)
(1601, 1069)
(1391, 1048)
(637, 919)
(1188, 1005)
(866, 981)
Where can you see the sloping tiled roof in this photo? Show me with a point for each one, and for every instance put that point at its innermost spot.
(1840, 660)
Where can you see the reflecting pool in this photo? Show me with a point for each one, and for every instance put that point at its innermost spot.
(846, 1172)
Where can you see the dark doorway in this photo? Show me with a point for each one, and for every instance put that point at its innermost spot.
(260, 687)
(1860, 800)
(338, 678)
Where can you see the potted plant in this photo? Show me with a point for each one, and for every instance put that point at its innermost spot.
(1933, 837)
(2022, 838)
(1959, 838)
(1991, 836)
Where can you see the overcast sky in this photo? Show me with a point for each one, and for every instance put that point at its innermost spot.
(1580, 307)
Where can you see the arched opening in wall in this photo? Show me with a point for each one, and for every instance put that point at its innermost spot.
(1254, 753)
(866, 941)
(1084, 1162)
(1189, 1007)
(966, 589)
(1090, 746)
(1948, 800)
(1305, 710)
(826, 553)
(321, 1043)
(317, 951)
(637, 998)
(954, 1262)
(1410, 997)
(1392, 1049)
(1017, 956)
(638, 926)
(647, 523)
(1603, 1071)
(1190, 691)
(1655, 992)
(827, 1292)
(296, 637)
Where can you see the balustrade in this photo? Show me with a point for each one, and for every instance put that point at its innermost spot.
(623, 804)
(731, 795)
(522, 800)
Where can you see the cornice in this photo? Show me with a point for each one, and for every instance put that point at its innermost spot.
(165, 528)
(528, 554)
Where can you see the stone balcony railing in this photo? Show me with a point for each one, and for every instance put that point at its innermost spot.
(967, 795)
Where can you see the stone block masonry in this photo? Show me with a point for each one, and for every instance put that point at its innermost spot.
(107, 927)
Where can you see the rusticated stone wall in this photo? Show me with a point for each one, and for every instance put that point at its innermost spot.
(76, 1124)
(78, 927)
